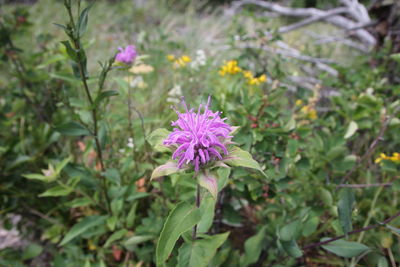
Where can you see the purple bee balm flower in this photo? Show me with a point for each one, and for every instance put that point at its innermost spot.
(126, 55)
(199, 137)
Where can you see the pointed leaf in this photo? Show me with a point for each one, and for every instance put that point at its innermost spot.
(345, 207)
(347, 249)
(181, 219)
(104, 95)
(393, 229)
(131, 243)
(238, 157)
(115, 236)
(72, 129)
(288, 231)
(291, 248)
(83, 20)
(168, 168)
(353, 127)
(83, 226)
(200, 252)
(35, 176)
(57, 191)
(207, 208)
(253, 247)
(209, 182)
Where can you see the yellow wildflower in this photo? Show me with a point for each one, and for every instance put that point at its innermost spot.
(310, 112)
(186, 59)
(251, 80)
(171, 57)
(313, 114)
(262, 78)
(180, 61)
(91, 246)
(247, 74)
(394, 158)
(299, 102)
(230, 67)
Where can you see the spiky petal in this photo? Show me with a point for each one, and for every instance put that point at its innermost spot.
(199, 137)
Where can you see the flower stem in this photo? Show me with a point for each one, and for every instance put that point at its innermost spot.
(198, 206)
(75, 38)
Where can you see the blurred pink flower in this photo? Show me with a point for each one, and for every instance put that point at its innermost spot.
(127, 55)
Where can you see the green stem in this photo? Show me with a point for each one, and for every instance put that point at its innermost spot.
(198, 206)
(76, 41)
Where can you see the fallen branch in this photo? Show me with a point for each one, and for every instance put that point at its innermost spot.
(353, 8)
(310, 20)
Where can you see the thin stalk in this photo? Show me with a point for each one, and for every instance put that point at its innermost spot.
(367, 221)
(76, 41)
(198, 206)
(130, 126)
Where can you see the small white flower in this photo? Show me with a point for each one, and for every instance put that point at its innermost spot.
(130, 142)
(200, 60)
(174, 94)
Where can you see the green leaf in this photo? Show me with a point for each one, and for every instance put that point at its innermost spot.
(79, 202)
(200, 252)
(291, 248)
(32, 251)
(240, 158)
(253, 247)
(345, 207)
(70, 51)
(290, 125)
(83, 20)
(288, 232)
(209, 182)
(351, 129)
(382, 262)
(115, 236)
(310, 226)
(207, 208)
(393, 229)
(395, 57)
(130, 218)
(72, 129)
(35, 176)
(60, 26)
(168, 168)
(62, 164)
(347, 249)
(156, 139)
(83, 226)
(223, 177)
(103, 95)
(326, 197)
(181, 219)
(131, 243)
(57, 191)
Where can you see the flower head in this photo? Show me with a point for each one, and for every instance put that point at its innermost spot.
(230, 67)
(127, 55)
(199, 137)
